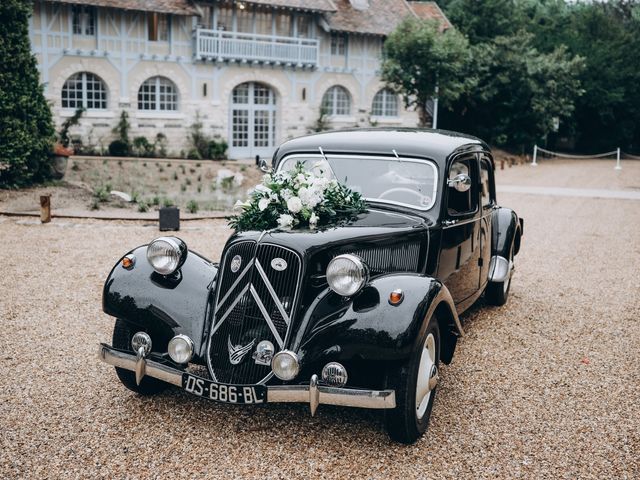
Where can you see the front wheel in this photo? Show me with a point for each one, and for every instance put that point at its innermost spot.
(122, 336)
(415, 385)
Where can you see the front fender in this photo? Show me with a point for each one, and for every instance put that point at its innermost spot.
(163, 306)
(506, 230)
(367, 326)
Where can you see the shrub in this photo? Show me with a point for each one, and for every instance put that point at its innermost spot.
(143, 206)
(198, 140)
(118, 148)
(167, 202)
(63, 135)
(175, 175)
(192, 206)
(155, 201)
(102, 192)
(26, 128)
(217, 149)
(183, 188)
(188, 181)
(194, 154)
(122, 130)
(143, 148)
(161, 144)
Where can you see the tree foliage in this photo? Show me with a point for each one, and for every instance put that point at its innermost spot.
(535, 60)
(26, 128)
(418, 56)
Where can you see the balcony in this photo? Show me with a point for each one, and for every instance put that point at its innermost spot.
(219, 45)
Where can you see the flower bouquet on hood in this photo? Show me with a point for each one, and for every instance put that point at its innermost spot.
(296, 199)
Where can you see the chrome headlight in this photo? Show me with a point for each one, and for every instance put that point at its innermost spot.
(347, 274)
(166, 254)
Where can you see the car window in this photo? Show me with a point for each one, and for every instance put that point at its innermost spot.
(485, 183)
(400, 181)
(459, 203)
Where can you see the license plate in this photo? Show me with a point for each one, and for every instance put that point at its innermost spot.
(220, 392)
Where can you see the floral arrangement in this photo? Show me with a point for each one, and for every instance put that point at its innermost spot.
(297, 198)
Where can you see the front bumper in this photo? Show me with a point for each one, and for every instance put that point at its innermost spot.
(313, 394)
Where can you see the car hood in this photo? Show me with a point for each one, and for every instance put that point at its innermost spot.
(374, 225)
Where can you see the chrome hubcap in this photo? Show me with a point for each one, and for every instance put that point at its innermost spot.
(427, 375)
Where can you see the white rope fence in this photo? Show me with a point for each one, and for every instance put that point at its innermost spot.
(618, 154)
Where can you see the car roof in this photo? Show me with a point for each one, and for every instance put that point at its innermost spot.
(410, 142)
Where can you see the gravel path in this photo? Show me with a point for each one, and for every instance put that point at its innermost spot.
(546, 387)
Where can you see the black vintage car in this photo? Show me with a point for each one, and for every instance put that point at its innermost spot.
(358, 314)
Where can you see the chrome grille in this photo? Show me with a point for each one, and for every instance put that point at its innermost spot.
(403, 257)
(253, 304)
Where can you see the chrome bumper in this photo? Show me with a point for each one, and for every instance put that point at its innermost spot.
(313, 394)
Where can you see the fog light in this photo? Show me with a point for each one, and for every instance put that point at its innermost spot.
(141, 339)
(180, 349)
(334, 374)
(285, 365)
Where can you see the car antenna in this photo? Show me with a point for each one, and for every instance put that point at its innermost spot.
(395, 153)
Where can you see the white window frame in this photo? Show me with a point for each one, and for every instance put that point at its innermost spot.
(388, 104)
(154, 103)
(87, 85)
(330, 101)
(339, 44)
(84, 20)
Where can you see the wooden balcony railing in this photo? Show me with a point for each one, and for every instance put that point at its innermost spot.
(220, 45)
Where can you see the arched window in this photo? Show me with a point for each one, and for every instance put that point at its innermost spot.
(158, 94)
(84, 90)
(385, 104)
(336, 101)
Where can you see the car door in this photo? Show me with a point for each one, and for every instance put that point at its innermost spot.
(487, 203)
(460, 250)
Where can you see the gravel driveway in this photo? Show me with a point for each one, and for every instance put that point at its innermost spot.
(546, 387)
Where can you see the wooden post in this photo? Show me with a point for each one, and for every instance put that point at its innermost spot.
(45, 208)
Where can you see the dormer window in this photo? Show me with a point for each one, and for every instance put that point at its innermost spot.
(83, 20)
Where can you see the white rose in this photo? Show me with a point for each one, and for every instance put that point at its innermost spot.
(286, 194)
(263, 189)
(313, 220)
(300, 178)
(294, 204)
(240, 205)
(285, 221)
(263, 204)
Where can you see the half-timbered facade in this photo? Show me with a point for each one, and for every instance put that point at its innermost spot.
(254, 72)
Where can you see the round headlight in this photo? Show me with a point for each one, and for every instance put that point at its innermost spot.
(166, 254)
(347, 274)
(180, 349)
(285, 365)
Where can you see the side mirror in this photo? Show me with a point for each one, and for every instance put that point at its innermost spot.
(264, 166)
(461, 182)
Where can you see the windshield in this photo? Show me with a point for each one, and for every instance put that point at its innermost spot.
(399, 181)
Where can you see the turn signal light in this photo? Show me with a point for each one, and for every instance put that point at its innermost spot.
(396, 297)
(128, 261)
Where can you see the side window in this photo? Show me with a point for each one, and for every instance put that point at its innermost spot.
(486, 183)
(460, 203)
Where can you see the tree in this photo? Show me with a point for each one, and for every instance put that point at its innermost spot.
(26, 128)
(519, 92)
(418, 56)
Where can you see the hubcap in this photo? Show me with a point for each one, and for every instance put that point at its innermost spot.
(426, 372)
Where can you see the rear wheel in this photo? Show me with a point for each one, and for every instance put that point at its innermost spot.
(122, 340)
(497, 293)
(415, 384)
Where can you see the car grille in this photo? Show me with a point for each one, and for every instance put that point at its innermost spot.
(254, 303)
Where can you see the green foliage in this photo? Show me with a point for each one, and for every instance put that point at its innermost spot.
(143, 206)
(322, 122)
(217, 149)
(102, 192)
(118, 148)
(73, 120)
(198, 140)
(596, 98)
(26, 128)
(192, 206)
(167, 202)
(143, 147)
(226, 183)
(418, 57)
(161, 144)
(519, 91)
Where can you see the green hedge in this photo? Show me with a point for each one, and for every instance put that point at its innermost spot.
(26, 128)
